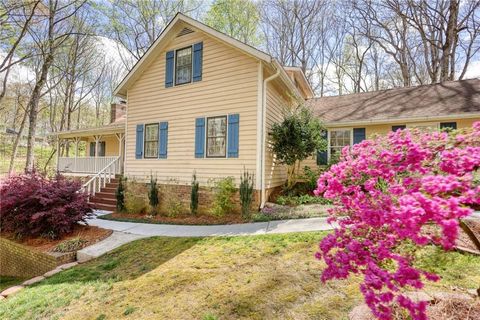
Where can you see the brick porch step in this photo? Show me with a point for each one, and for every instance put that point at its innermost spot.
(101, 200)
(108, 190)
(112, 185)
(102, 206)
(105, 195)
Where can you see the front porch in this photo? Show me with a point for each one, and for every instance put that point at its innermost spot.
(88, 152)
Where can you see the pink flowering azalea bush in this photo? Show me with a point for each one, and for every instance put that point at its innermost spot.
(407, 189)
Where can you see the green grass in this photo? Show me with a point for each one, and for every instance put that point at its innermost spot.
(6, 282)
(255, 277)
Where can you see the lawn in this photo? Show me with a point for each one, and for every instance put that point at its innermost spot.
(256, 277)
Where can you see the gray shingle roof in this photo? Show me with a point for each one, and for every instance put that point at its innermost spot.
(442, 99)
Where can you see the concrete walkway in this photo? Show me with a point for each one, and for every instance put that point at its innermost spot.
(172, 230)
(125, 232)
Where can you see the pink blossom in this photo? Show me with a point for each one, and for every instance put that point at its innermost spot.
(387, 190)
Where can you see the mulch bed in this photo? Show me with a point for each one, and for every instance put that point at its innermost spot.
(442, 306)
(453, 309)
(90, 234)
(187, 219)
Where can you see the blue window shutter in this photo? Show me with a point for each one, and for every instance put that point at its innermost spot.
(399, 127)
(233, 128)
(139, 142)
(448, 125)
(199, 137)
(197, 61)
(322, 156)
(169, 69)
(162, 140)
(358, 135)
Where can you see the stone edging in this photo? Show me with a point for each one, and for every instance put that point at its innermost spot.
(12, 290)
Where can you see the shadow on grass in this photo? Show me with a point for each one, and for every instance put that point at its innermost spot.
(127, 262)
(7, 281)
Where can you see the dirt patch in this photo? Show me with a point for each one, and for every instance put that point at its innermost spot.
(88, 234)
(188, 219)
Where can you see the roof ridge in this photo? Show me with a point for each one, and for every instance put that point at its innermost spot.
(394, 89)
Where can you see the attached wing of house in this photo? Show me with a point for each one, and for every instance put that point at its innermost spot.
(354, 117)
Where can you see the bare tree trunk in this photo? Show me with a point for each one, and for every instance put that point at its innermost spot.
(449, 41)
(16, 142)
(32, 108)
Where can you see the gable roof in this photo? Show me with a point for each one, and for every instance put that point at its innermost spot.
(178, 22)
(447, 99)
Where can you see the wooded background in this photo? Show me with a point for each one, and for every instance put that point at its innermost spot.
(61, 60)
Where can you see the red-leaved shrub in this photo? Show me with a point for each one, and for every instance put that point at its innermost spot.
(33, 205)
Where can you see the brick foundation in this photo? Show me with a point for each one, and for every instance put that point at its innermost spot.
(176, 193)
(17, 260)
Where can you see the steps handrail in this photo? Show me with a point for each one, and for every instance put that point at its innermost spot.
(105, 174)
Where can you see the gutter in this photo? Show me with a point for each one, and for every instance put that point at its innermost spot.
(338, 124)
(263, 199)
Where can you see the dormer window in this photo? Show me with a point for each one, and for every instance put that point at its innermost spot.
(183, 66)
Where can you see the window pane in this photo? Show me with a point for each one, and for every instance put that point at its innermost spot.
(338, 140)
(151, 149)
(216, 147)
(217, 126)
(216, 136)
(183, 72)
(151, 140)
(151, 132)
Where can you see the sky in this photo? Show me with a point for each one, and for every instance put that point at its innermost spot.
(111, 49)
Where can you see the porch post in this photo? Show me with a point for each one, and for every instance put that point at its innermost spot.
(97, 140)
(58, 152)
(121, 139)
(77, 140)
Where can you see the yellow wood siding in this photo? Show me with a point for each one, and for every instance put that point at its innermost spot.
(275, 173)
(228, 85)
(111, 145)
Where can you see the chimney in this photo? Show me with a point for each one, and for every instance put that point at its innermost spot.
(117, 110)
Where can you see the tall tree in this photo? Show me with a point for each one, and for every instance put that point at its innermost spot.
(53, 31)
(136, 24)
(15, 19)
(237, 18)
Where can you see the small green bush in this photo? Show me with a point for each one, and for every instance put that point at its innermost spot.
(246, 192)
(311, 177)
(120, 196)
(70, 245)
(194, 195)
(153, 195)
(224, 190)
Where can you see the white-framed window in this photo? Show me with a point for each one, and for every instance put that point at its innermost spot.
(337, 140)
(216, 137)
(424, 126)
(183, 65)
(151, 140)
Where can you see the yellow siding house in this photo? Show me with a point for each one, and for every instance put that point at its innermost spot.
(200, 101)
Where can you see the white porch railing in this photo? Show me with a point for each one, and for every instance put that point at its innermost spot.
(85, 164)
(103, 177)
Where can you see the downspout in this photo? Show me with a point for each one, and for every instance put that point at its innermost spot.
(263, 199)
